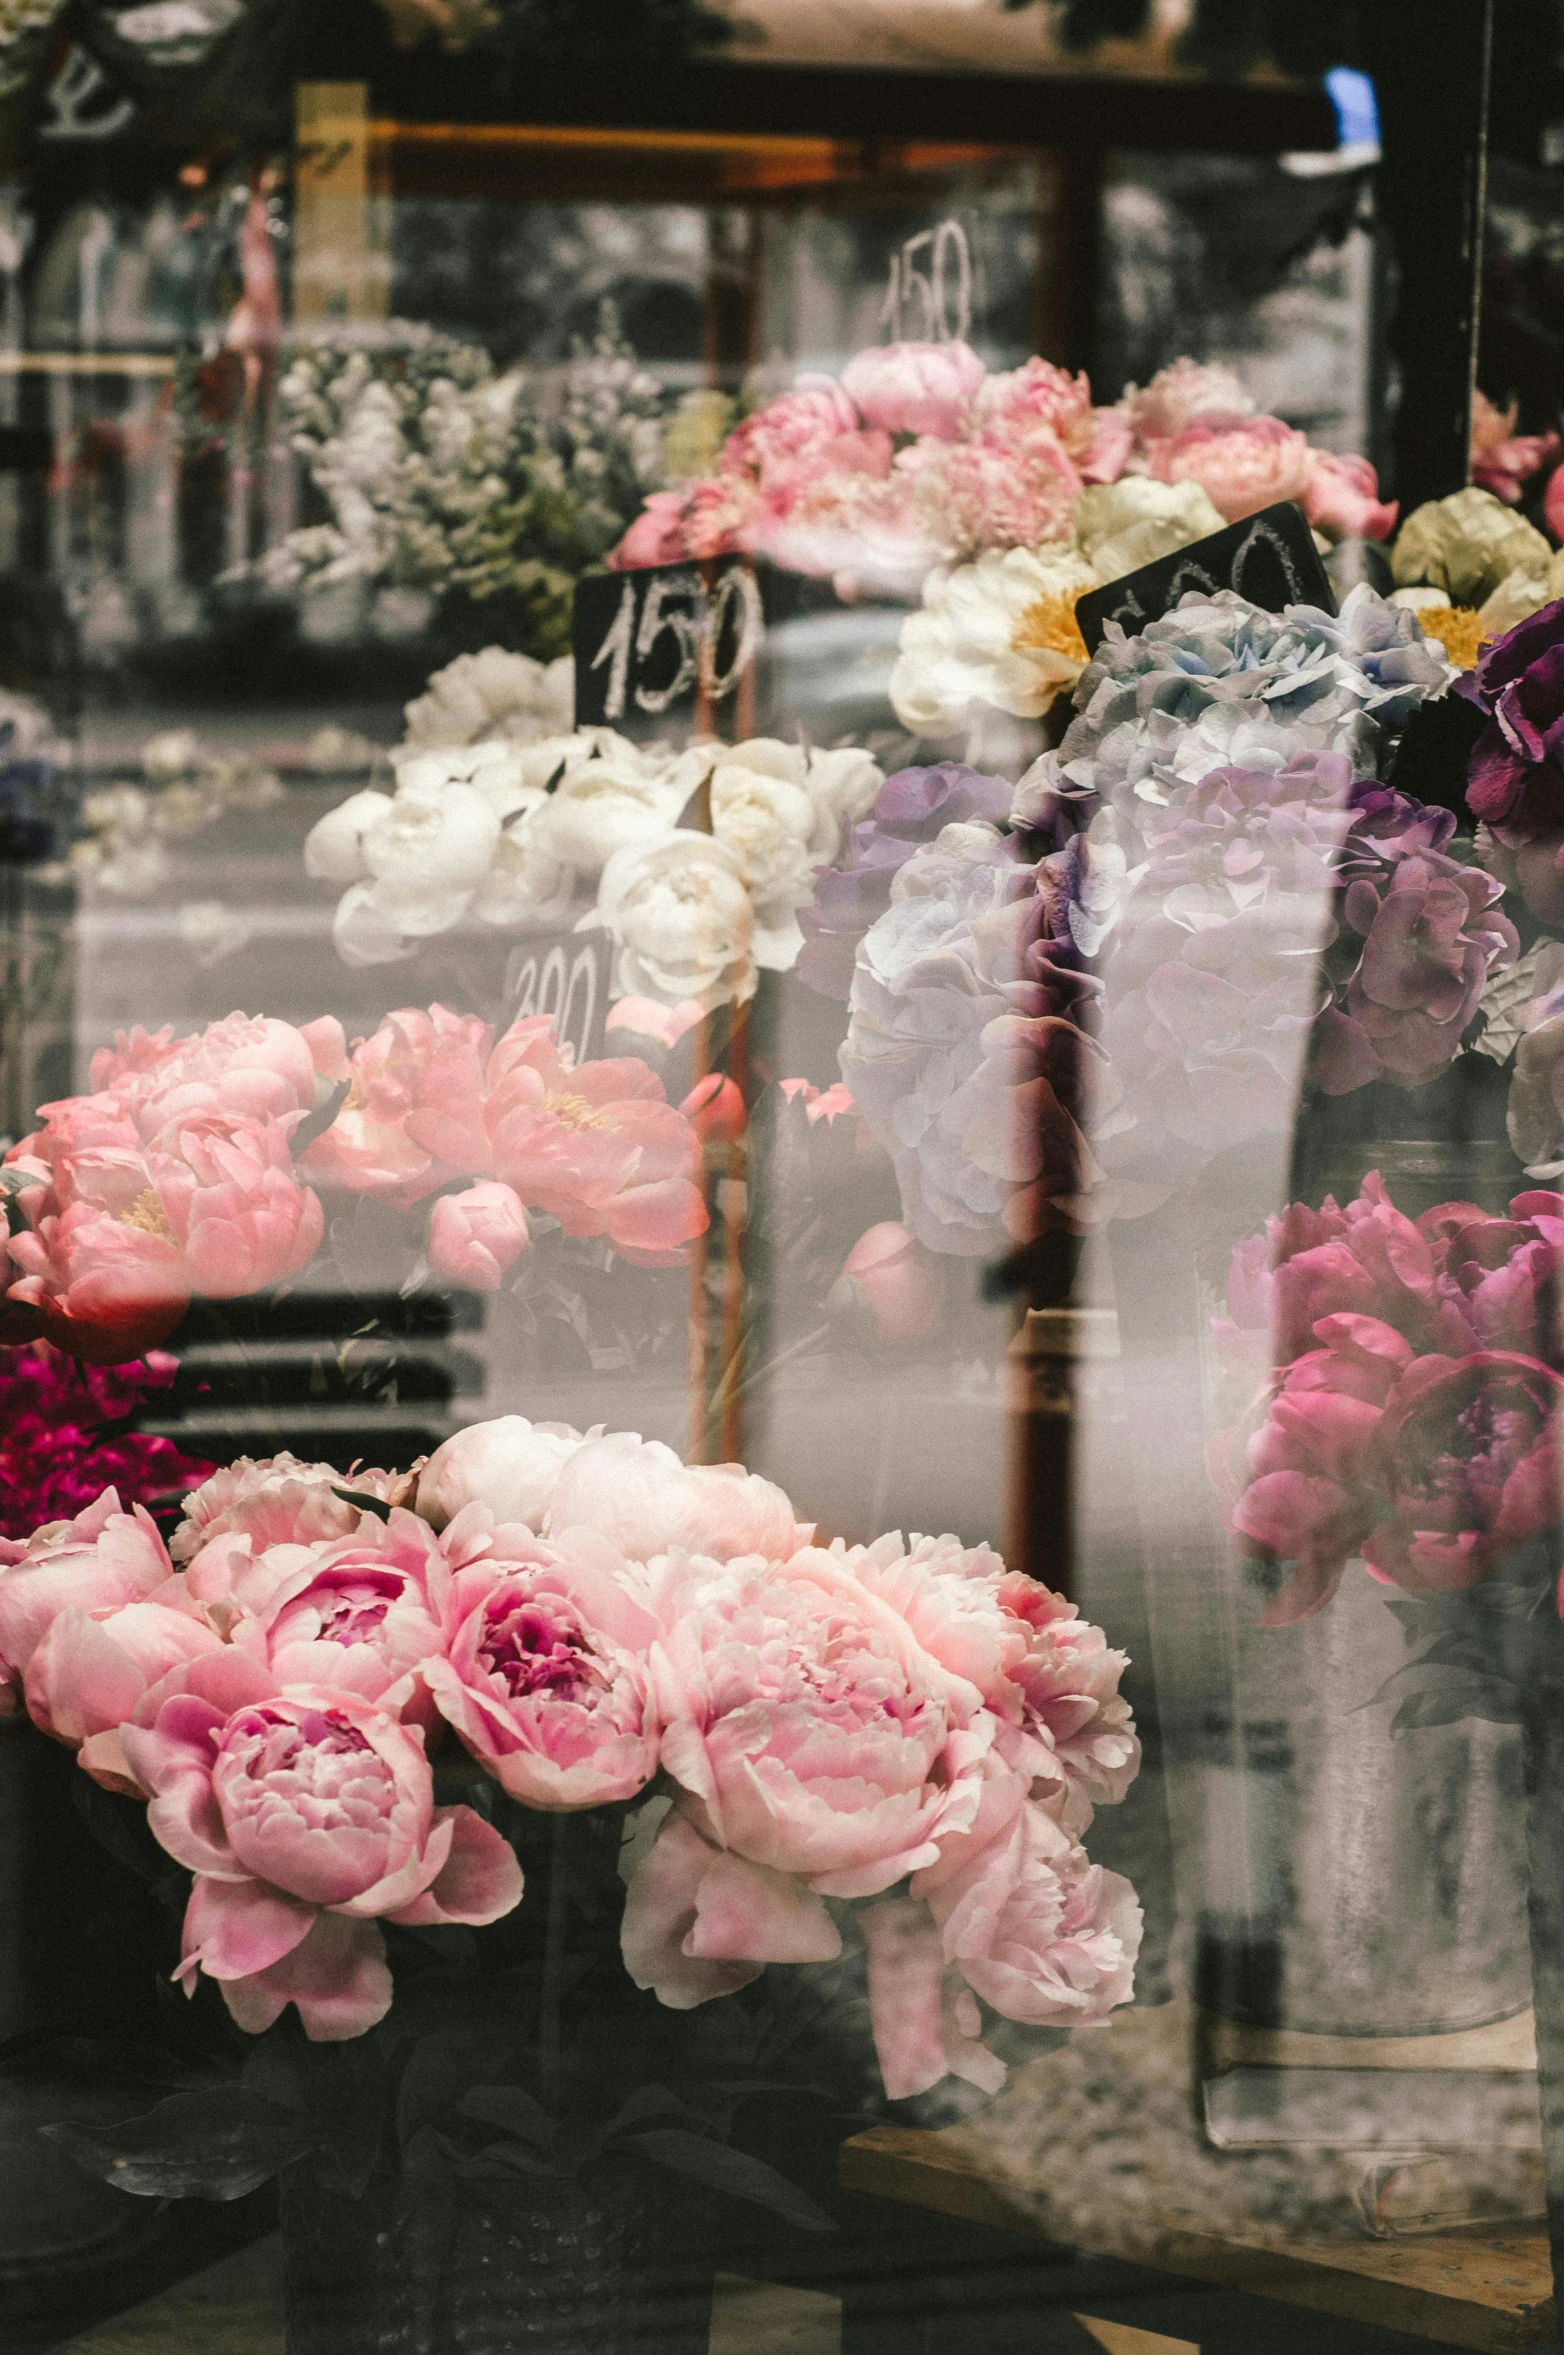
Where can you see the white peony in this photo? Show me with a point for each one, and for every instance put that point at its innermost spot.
(844, 786)
(610, 800)
(1001, 631)
(1119, 526)
(334, 845)
(425, 856)
(493, 694)
(682, 922)
(509, 1464)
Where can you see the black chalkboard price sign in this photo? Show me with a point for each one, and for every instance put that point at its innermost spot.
(651, 646)
(1270, 558)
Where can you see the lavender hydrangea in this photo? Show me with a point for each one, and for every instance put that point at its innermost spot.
(911, 808)
(1219, 681)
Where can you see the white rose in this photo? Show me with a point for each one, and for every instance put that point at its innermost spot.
(607, 803)
(510, 1465)
(1125, 524)
(1001, 631)
(334, 845)
(682, 921)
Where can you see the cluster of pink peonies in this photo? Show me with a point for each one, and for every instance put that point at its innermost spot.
(919, 455)
(905, 1726)
(1414, 1410)
(177, 1176)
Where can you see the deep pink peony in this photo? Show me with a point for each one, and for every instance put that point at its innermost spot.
(477, 1236)
(63, 1438)
(1241, 463)
(655, 537)
(914, 387)
(807, 1728)
(304, 1817)
(1504, 461)
(1468, 1454)
(1515, 780)
(545, 1677)
(99, 1561)
(1341, 498)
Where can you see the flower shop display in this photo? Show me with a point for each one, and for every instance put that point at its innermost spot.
(695, 862)
(514, 1804)
(450, 484)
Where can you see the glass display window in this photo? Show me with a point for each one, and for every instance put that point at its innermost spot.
(779, 1392)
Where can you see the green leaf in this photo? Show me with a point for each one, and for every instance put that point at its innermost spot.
(442, 2068)
(512, 2107)
(215, 2144)
(721, 2168)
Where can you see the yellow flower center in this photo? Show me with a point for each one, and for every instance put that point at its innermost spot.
(1458, 630)
(147, 1213)
(357, 1096)
(575, 1112)
(1049, 625)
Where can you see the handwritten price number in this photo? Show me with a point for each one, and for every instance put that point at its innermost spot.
(696, 620)
(551, 983)
(924, 296)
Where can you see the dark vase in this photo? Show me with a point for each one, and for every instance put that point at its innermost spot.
(531, 2267)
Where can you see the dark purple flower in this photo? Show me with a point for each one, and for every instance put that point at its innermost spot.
(910, 809)
(1515, 781)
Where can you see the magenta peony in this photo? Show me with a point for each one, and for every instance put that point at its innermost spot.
(63, 1438)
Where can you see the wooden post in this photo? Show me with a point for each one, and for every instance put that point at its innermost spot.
(1431, 70)
(341, 269)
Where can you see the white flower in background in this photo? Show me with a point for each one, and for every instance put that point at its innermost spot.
(334, 845)
(1001, 631)
(1119, 526)
(169, 756)
(493, 694)
(682, 922)
(31, 729)
(212, 931)
(339, 752)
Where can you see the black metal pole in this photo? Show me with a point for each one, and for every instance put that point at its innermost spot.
(1431, 61)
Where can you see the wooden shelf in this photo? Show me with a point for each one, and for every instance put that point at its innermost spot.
(1482, 2286)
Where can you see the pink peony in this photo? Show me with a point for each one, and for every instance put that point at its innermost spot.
(637, 1494)
(477, 1236)
(367, 1148)
(655, 537)
(1180, 395)
(807, 1728)
(715, 1110)
(968, 496)
(92, 1667)
(509, 1465)
(1341, 498)
(274, 1500)
(1036, 1929)
(721, 515)
(1241, 463)
(545, 1676)
(1067, 1677)
(247, 1064)
(648, 1018)
(900, 1280)
(359, 1614)
(1502, 460)
(100, 1561)
(1506, 1274)
(924, 2019)
(816, 411)
(699, 1922)
(104, 1287)
(1037, 397)
(915, 387)
(304, 1816)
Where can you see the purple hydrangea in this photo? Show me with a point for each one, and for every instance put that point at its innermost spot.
(910, 809)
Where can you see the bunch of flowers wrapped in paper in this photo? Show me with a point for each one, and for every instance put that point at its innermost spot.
(904, 1730)
(1413, 1409)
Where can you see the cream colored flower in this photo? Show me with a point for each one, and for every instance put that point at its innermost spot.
(493, 694)
(1466, 545)
(1001, 631)
(762, 813)
(610, 796)
(1122, 525)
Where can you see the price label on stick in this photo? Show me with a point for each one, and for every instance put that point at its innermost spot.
(1270, 558)
(669, 642)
